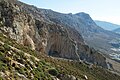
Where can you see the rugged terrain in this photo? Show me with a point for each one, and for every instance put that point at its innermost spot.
(18, 62)
(93, 35)
(29, 35)
(33, 30)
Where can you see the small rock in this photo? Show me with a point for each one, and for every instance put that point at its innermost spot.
(85, 77)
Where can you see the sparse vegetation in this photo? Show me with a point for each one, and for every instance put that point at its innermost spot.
(53, 72)
(17, 63)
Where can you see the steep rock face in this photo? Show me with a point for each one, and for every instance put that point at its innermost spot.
(30, 27)
(19, 25)
(60, 45)
(93, 35)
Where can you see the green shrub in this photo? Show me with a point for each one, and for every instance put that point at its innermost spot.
(7, 48)
(3, 66)
(1, 78)
(2, 49)
(33, 59)
(53, 72)
(2, 56)
(21, 71)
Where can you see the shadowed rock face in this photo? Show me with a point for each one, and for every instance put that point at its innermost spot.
(30, 27)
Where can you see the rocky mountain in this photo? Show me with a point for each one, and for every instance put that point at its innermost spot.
(31, 28)
(107, 25)
(45, 32)
(93, 35)
(83, 23)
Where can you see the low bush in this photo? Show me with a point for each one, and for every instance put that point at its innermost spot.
(53, 72)
(7, 48)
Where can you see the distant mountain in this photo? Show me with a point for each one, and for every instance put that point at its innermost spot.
(117, 30)
(107, 25)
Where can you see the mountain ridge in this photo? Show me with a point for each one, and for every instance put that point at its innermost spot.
(107, 25)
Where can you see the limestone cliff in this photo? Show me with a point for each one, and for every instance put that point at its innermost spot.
(29, 27)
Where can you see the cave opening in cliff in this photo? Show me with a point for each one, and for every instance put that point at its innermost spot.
(53, 53)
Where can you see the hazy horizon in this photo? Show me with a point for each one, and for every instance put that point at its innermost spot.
(103, 10)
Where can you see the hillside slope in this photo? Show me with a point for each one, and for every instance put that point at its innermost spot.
(20, 62)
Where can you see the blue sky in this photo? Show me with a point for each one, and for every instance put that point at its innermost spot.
(105, 10)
